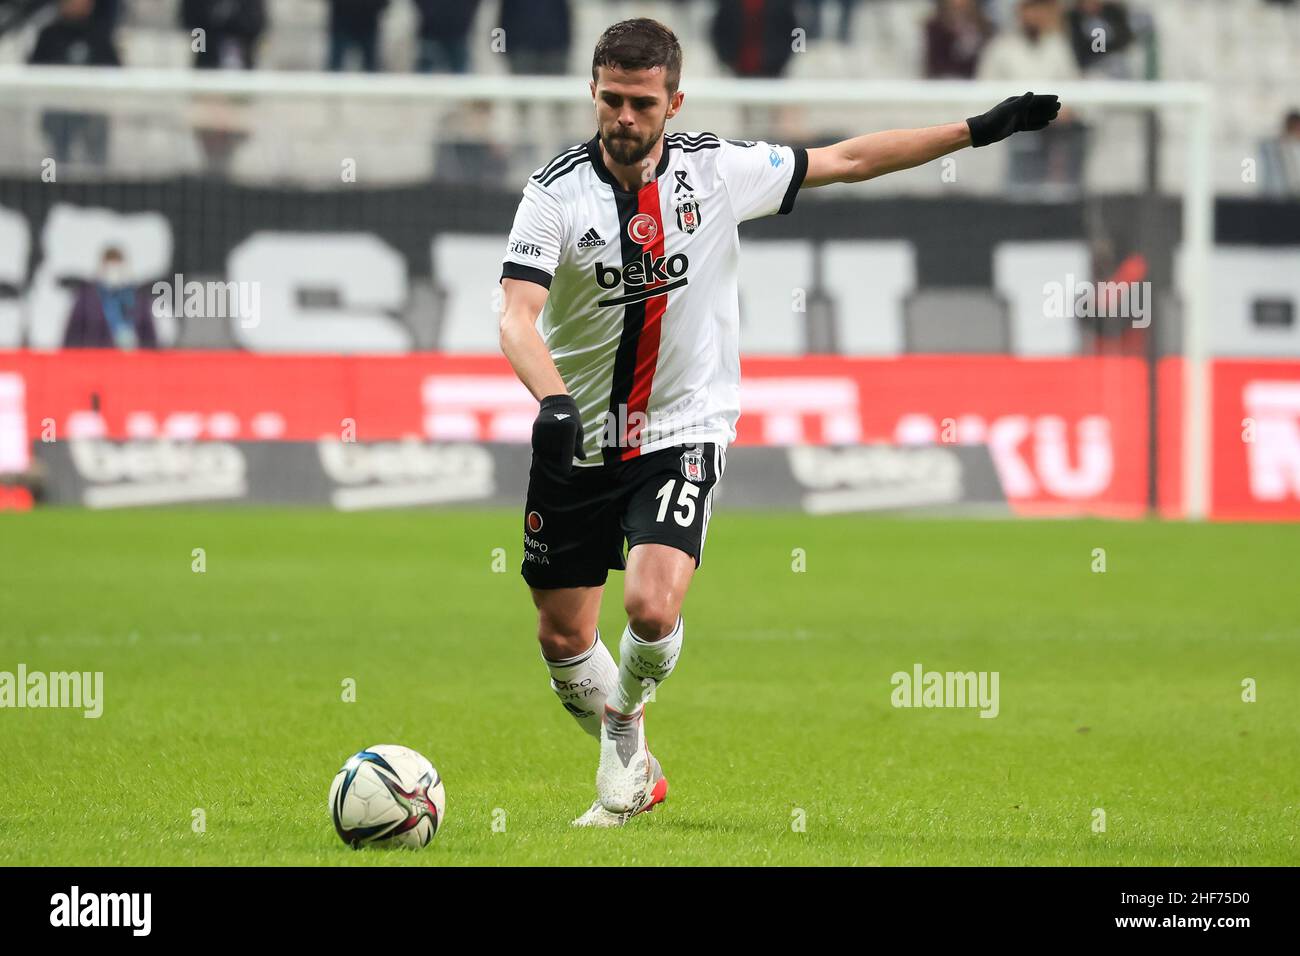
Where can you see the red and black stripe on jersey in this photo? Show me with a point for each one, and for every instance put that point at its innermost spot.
(638, 345)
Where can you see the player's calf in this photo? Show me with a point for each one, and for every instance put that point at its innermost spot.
(583, 682)
(643, 665)
(657, 580)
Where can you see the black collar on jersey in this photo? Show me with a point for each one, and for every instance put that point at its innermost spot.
(593, 152)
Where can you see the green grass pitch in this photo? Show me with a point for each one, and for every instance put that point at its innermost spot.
(223, 692)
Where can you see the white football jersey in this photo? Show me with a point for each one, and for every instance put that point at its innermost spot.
(643, 315)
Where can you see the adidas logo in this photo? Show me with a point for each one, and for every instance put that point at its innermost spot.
(592, 238)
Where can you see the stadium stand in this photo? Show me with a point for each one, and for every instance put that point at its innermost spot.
(1251, 58)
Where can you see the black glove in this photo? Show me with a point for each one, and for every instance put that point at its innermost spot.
(557, 432)
(1015, 114)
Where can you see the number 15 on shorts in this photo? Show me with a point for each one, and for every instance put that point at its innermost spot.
(683, 506)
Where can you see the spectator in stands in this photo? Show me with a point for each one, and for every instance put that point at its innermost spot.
(76, 37)
(444, 35)
(107, 12)
(537, 34)
(354, 28)
(1280, 175)
(111, 312)
(1100, 29)
(221, 124)
(466, 150)
(224, 37)
(844, 23)
(1001, 13)
(954, 37)
(1036, 51)
(230, 30)
(752, 37)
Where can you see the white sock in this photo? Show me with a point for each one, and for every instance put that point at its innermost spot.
(642, 665)
(583, 682)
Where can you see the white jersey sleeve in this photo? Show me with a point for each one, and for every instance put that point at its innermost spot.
(761, 178)
(537, 237)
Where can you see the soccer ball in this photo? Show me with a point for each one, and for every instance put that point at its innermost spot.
(387, 795)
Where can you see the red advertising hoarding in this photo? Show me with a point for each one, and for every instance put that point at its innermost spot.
(1256, 439)
(1066, 435)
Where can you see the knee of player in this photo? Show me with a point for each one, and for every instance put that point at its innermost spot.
(651, 617)
(560, 640)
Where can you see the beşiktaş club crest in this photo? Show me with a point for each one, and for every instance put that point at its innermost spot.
(688, 215)
(693, 465)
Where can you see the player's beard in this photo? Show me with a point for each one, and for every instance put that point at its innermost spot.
(626, 151)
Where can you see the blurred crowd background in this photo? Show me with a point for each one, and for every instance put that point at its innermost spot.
(1249, 50)
(156, 178)
(328, 180)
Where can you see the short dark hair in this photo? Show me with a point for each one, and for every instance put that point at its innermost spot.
(640, 44)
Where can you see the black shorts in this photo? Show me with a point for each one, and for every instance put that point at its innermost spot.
(575, 524)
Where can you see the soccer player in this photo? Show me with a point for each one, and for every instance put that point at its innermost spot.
(626, 246)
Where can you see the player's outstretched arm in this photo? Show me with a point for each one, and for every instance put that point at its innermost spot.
(875, 154)
(557, 432)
